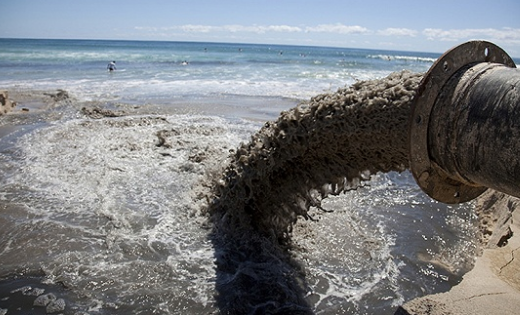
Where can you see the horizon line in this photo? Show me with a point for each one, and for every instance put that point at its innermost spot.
(515, 58)
(218, 42)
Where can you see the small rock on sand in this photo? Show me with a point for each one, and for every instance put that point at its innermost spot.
(44, 300)
(56, 306)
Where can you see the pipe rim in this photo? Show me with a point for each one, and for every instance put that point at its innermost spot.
(428, 175)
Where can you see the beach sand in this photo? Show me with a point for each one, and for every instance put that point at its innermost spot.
(491, 287)
(21, 105)
(6, 105)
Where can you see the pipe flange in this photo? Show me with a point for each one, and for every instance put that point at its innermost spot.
(429, 176)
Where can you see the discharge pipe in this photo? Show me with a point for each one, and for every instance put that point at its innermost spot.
(464, 131)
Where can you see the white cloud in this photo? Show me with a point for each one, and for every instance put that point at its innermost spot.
(260, 28)
(233, 28)
(397, 32)
(338, 28)
(505, 34)
(284, 28)
(195, 28)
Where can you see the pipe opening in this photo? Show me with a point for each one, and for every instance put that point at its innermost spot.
(467, 123)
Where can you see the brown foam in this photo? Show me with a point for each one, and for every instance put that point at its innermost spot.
(325, 146)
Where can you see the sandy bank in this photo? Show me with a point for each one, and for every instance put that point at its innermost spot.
(6, 105)
(30, 100)
(20, 108)
(493, 285)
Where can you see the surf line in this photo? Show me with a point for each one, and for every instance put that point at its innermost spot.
(328, 145)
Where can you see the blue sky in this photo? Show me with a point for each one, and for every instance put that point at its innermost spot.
(416, 25)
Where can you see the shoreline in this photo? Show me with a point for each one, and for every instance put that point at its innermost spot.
(254, 108)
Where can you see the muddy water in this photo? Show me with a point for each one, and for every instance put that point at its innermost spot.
(327, 146)
(123, 211)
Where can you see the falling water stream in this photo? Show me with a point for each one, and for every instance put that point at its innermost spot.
(120, 210)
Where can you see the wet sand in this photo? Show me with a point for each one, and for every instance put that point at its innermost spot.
(493, 285)
(28, 102)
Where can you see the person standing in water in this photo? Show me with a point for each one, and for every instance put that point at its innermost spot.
(111, 66)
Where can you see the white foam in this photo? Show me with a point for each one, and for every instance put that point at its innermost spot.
(119, 211)
(390, 57)
(140, 85)
(354, 256)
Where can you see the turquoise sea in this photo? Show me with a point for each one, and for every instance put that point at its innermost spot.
(106, 213)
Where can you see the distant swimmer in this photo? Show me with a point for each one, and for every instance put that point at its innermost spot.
(111, 66)
(185, 63)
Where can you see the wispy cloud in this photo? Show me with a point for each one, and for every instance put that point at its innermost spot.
(338, 28)
(505, 34)
(261, 29)
(234, 28)
(398, 32)
(193, 28)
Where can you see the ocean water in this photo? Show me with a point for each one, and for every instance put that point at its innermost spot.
(154, 71)
(108, 213)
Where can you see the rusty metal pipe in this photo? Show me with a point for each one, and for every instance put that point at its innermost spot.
(465, 125)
